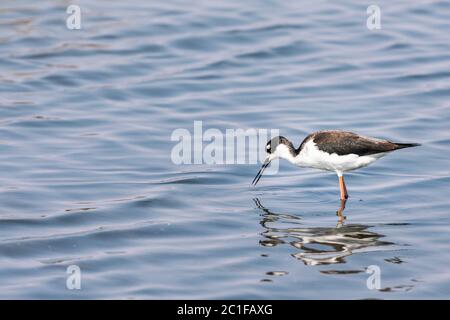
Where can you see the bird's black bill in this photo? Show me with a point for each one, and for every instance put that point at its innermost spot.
(260, 172)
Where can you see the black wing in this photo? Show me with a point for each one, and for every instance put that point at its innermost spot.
(343, 143)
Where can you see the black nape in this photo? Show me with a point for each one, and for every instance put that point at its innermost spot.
(275, 142)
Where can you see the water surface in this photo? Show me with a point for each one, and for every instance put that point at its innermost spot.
(86, 174)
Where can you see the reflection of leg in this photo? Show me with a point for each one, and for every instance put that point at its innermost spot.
(340, 212)
(258, 203)
(343, 188)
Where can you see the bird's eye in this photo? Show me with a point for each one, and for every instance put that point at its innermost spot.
(268, 147)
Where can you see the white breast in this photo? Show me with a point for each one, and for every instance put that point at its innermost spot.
(311, 156)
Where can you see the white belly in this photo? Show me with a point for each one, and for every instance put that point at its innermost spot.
(312, 157)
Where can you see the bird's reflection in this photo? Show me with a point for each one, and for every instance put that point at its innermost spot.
(317, 245)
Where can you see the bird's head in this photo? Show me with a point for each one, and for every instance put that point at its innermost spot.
(278, 147)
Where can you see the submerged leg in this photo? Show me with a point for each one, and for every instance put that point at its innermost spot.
(340, 212)
(344, 194)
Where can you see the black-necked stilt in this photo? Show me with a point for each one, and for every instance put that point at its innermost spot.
(331, 150)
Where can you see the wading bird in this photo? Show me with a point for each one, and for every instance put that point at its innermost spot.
(332, 150)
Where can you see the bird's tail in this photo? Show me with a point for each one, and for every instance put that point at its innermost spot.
(406, 145)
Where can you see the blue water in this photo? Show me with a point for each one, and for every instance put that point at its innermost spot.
(86, 176)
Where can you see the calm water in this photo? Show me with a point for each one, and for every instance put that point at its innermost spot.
(86, 176)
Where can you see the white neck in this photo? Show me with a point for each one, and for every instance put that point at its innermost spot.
(284, 152)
